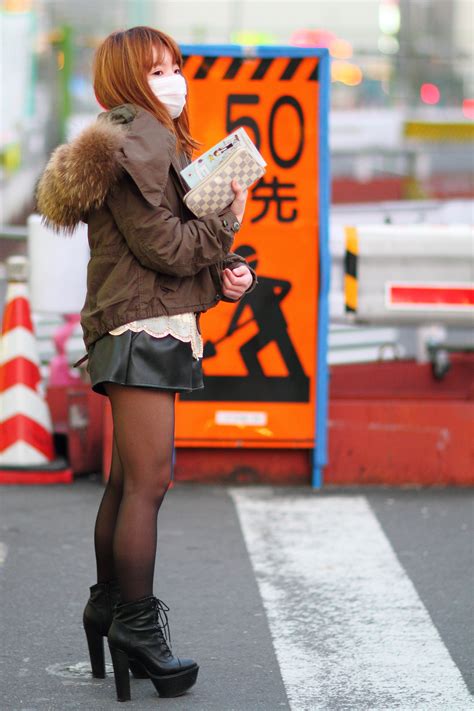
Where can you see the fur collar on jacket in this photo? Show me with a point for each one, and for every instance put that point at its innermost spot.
(79, 174)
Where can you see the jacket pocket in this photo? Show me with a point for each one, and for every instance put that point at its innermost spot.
(167, 282)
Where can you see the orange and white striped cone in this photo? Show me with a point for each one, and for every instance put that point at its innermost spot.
(26, 439)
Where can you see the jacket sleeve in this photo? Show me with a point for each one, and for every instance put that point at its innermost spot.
(163, 242)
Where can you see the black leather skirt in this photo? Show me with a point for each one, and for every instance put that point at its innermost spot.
(143, 361)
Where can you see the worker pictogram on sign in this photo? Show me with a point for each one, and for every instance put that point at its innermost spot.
(265, 305)
(269, 349)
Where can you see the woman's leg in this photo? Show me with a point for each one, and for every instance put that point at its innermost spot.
(144, 435)
(107, 519)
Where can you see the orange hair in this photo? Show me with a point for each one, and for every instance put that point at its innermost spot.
(121, 65)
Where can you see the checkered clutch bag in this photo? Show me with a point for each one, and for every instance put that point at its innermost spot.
(215, 193)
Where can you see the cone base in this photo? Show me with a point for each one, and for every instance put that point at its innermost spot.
(55, 472)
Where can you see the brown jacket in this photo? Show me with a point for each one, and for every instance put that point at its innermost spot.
(149, 255)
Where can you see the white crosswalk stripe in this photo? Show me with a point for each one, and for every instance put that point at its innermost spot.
(349, 629)
(3, 552)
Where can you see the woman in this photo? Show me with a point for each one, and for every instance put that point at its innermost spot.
(153, 270)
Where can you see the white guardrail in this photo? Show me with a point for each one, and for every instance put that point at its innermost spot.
(415, 274)
(347, 343)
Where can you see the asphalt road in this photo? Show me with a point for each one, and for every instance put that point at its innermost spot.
(287, 598)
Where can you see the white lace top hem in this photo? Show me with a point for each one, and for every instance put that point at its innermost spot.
(181, 326)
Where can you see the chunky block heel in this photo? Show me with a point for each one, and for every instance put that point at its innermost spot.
(97, 618)
(122, 678)
(95, 643)
(175, 684)
(140, 630)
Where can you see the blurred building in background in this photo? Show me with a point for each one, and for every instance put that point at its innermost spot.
(397, 67)
(401, 132)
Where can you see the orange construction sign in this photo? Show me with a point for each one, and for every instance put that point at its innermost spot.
(261, 353)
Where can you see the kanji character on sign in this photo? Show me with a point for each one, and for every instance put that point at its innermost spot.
(271, 192)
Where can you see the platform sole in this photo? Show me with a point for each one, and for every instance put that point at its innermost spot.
(175, 684)
(167, 686)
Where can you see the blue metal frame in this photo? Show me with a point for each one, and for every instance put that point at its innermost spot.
(320, 456)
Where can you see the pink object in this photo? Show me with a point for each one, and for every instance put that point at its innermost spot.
(468, 108)
(430, 94)
(312, 38)
(60, 373)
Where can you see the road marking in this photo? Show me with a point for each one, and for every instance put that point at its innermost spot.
(349, 630)
(78, 673)
(3, 552)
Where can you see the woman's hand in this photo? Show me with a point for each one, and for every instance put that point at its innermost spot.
(236, 281)
(238, 206)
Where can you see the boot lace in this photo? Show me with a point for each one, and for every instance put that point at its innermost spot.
(161, 609)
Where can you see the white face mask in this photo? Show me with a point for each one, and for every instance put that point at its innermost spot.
(171, 91)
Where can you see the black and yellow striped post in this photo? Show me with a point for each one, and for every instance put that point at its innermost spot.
(350, 268)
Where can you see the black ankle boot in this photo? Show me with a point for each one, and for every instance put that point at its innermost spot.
(140, 632)
(97, 618)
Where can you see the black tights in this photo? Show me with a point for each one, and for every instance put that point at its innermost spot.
(125, 531)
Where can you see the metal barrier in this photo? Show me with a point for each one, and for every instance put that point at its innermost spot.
(417, 274)
(348, 343)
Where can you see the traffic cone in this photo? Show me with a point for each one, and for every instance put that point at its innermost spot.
(26, 439)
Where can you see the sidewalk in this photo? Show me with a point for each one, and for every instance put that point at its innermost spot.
(239, 568)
